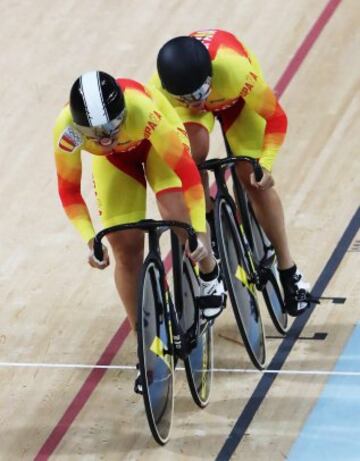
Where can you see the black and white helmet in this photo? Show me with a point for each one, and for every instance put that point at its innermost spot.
(97, 104)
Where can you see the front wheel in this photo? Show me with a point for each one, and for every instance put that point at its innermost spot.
(242, 290)
(155, 352)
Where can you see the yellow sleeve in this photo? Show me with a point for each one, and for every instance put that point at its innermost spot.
(238, 75)
(262, 100)
(67, 150)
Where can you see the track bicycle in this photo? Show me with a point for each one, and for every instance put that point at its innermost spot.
(167, 331)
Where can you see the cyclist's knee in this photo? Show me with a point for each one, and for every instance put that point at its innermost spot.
(127, 247)
(257, 196)
(172, 206)
(243, 172)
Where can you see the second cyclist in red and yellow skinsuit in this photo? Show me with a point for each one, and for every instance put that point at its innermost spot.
(209, 74)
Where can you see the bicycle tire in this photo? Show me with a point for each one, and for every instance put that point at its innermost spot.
(271, 292)
(199, 363)
(241, 290)
(155, 351)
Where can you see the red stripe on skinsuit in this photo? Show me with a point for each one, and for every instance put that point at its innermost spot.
(131, 161)
(228, 116)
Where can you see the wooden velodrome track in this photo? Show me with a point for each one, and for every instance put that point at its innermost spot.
(56, 310)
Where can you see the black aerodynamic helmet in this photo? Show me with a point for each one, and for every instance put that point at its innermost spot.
(97, 103)
(183, 65)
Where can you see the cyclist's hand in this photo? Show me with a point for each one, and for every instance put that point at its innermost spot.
(266, 181)
(93, 261)
(200, 252)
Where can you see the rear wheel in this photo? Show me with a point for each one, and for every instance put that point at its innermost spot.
(199, 363)
(265, 257)
(155, 352)
(242, 290)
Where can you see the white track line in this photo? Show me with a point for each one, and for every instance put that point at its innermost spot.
(215, 370)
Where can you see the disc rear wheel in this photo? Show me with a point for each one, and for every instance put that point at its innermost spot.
(265, 256)
(199, 363)
(241, 288)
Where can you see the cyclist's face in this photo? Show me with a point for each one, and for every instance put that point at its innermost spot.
(197, 99)
(197, 106)
(105, 140)
(104, 135)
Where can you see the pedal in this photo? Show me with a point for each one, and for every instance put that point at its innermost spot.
(312, 299)
(211, 301)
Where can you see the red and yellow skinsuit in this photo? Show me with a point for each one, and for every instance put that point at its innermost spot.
(254, 122)
(151, 141)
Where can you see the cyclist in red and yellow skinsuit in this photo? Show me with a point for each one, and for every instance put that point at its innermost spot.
(211, 73)
(134, 136)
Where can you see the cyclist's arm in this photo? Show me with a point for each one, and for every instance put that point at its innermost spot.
(68, 166)
(172, 145)
(168, 136)
(260, 97)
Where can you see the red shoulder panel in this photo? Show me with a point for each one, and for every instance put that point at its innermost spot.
(126, 83)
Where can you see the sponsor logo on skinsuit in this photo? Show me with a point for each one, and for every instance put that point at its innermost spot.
(154, 118)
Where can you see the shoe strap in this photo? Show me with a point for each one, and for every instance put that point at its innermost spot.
(210, 301)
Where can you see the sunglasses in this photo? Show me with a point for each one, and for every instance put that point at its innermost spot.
(197, 96)
(107, 131)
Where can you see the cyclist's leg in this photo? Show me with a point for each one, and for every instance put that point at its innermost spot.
(121, 195)
(269, 212)
(199, 138)
(128, 251)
